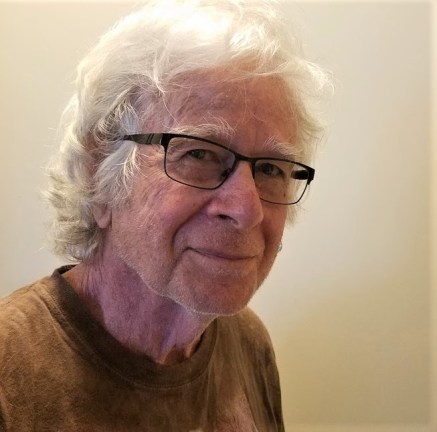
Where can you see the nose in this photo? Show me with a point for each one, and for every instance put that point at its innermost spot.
(237, 199)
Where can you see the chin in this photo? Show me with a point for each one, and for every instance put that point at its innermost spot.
(221, 302)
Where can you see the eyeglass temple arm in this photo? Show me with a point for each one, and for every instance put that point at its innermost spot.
(304, 174)
(151, 138)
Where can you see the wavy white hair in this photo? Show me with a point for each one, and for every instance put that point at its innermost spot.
(121, 81)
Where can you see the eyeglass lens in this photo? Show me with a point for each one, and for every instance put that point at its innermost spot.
(201, 164)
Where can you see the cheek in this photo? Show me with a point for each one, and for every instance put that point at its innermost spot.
(273, 232)
(158, 209)
(274, 221)
(134, 223)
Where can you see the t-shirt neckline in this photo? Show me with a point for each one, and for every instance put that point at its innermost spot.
(102, 347)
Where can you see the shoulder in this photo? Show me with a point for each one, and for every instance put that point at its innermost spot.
(23, 306)
(23, 323)
(28, 305)
(250, 323)
(248, 350)
(247, 329)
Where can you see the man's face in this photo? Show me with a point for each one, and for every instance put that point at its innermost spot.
(207, 250)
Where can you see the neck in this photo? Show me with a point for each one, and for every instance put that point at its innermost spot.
(137, 317)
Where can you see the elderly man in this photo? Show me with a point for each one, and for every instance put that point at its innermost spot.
(185, 149)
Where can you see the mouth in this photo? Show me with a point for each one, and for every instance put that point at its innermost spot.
(223, 255)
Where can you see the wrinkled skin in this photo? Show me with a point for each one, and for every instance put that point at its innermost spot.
(176, 257)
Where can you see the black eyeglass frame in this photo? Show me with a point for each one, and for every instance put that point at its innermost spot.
(163, 139)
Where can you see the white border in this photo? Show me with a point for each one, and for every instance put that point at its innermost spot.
(363, 428)
(432, 426)
(433, 215)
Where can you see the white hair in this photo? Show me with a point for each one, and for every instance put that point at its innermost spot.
(122, 80)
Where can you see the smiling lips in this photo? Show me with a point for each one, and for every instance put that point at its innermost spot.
(223, 255)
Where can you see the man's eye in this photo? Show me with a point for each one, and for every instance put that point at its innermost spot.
(270, 170)
(204, 155)
(197, 154)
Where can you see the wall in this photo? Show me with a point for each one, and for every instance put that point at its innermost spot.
(354, 334)
(351, 303)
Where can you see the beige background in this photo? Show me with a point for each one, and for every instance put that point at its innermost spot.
(351, 305)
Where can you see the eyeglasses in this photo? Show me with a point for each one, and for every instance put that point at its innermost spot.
(205, 164)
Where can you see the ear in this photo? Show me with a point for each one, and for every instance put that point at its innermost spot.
(102, 215)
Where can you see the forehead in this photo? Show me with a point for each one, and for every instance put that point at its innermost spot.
(251, 106)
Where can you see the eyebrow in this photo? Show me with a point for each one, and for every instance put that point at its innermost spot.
(224, 134)
(221, 131)
(284, 150)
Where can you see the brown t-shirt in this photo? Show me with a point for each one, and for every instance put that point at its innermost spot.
(60, 371)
